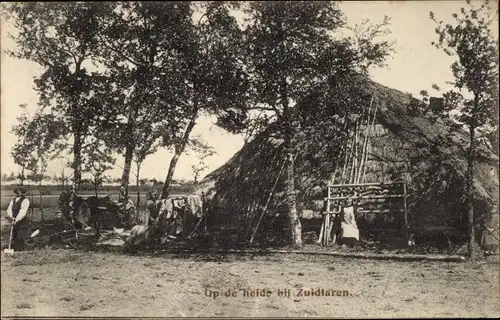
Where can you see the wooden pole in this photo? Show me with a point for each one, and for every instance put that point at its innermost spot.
(267, 202)
(365, 143)
(346, 158)
(369, 184)
(41, 201)
(344, 148)
(356, 155)
(196, 227)
(355, 168)
(326, 236)
(405, 197)
(30, 209)
(251, 216)
(373, 123)
(357, 137)
(349, 177)
(371, 128)
(322, 228)
(203, 211)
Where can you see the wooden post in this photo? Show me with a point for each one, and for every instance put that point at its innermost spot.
(356, 155)
(326, 235)
(196, 227)
(353, 156)
(347, 158)
(30, 209)
(41, 201)
(405, 197)
(268, 202)
(365, 143)
(344, 147)
(251, 216)
(203, 211)
(184, 221)
(366, 147)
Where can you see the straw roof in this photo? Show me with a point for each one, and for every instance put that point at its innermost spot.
(434, 154)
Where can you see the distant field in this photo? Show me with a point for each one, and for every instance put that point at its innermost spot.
(49, 202)
(7, 189)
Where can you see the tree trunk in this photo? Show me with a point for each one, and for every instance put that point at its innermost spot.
(291, 195)
(170, 174)
(77, 132)
(22, 175)
(95, 187)
(41, 197)
(178, 150)
(470, 189)
(77, 158)
(129, 153)
(137, 185)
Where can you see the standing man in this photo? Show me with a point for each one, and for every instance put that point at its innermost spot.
(18, 211)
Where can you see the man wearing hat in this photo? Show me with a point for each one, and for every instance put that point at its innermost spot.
(17, 211)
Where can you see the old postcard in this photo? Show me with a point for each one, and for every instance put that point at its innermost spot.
(249, 159)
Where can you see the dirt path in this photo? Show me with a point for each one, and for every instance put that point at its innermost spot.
(71, 283)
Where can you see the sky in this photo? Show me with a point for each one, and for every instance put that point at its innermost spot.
(414, 66)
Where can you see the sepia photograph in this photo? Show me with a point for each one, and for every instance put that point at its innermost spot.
(249, 159)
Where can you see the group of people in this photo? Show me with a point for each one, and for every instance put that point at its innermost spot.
(152, 215)
(344, 225)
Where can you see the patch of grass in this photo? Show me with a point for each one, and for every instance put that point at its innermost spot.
(33, 260)
(67, 298)
(271, 306)
(24, 305)
(86, 306)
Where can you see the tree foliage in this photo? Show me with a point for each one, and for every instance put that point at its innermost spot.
(97, 159)
(62, 40)
(37, 141)
(208, 62)
(202, 151)
(469, 38)
(474, 97)
(137, 43)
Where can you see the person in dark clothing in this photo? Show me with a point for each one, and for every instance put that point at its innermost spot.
(66, 208)
(18, 211)
(152, 208)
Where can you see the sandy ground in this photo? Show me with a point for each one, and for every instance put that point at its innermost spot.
(76, 283)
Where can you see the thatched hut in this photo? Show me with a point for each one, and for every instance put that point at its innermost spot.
(433, 153)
